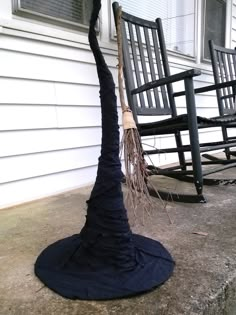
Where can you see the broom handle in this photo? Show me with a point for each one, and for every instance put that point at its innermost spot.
(120, 60)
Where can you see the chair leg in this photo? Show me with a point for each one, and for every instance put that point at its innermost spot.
(179, 144)
(225, 137)
(193, 135)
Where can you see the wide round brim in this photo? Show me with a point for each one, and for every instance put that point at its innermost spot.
(154, 266)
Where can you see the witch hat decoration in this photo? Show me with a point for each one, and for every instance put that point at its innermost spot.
(105, 260)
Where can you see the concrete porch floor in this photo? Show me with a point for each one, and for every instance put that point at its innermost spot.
(204, 280)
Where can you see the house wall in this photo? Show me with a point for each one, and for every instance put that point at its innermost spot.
(50, 126)
(49, 109)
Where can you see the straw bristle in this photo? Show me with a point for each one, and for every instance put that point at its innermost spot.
(136, 171)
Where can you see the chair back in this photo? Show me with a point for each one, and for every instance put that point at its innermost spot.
(224, 69)
(145, 60)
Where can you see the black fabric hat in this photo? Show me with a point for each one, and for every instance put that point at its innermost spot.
(105, 260)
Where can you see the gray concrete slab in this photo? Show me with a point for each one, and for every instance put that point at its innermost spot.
(204, 280)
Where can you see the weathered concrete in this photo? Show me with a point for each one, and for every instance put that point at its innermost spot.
(204, 280)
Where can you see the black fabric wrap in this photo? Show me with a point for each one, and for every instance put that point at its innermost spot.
(105, 260)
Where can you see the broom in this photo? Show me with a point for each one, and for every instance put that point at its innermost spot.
(135, 164)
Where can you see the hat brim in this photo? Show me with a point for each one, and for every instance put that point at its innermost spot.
(56, 268)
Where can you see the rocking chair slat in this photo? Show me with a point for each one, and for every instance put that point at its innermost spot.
(141, 49)
(159, 69)
(135, 61)
(151, 65)
(222, 78)
(227, 78)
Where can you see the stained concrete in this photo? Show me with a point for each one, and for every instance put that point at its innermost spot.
(204, 280)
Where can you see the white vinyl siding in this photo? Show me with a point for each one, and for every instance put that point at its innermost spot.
(50, 118)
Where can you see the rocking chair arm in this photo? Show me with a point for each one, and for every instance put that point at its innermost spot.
(163, 81)
(209, 88)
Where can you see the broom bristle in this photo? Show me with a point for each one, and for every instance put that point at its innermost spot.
(136, 171)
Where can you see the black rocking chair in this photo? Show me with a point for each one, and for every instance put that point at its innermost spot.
(224, 69)
(150, 93)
